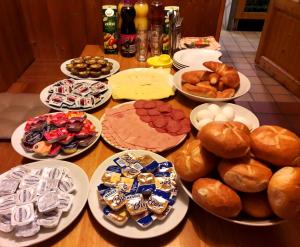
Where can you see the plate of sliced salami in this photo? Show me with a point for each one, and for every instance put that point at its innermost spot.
(146, 125)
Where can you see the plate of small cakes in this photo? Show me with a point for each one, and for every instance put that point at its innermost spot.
(90, 67)
(79, 95)
(211, 82)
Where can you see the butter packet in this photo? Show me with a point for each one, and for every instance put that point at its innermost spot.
(18, 172)
(65, 202)
(7, 203)
(111, 179)
(148, 163)
(46, 185)
(102, 190)
(49, 219)
(30, 180)
(114, 199)
(22, 215)
(157, 204)
(164, 214)
(24, 196)
(66, 184)
(145, 220)
(8, 186)
(135, 204)
(53, 173)
(119, 217)
(125, 160)
(48, 201)
(27, 230)
(164, 183)
(5, 223)
(146, 183)
(125, 184)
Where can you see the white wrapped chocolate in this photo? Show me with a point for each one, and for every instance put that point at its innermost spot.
(48, 201)
(47, 185)
(5, 223)
(8, 186)
(53, 173)
(22, 215)
(24, 196)
(65, 201)
(27, 230)
(49, 219)
(18, 172)
(7, 203)
(66, 184)
(30, 180)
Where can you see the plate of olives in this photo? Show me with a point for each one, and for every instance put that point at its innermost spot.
(90, 67)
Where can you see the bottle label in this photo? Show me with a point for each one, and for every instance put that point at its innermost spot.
(128, 43)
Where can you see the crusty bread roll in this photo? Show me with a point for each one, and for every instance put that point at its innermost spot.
(256, 204)
(276, 145)
(226, 139)
(284, 193)
(216, 197)
(245, 174)
(193, 161)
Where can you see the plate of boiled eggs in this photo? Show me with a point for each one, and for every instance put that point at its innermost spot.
(206, 113)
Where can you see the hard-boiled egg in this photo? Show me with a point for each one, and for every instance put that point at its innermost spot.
(215, 109)
(228, 111)
(221, 117)
(244, 121)
(203, 122)
(204, 114)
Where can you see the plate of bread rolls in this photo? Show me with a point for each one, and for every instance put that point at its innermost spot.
(213, 82)
(249, 178)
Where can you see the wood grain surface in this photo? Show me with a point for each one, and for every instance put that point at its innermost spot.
(199, 228)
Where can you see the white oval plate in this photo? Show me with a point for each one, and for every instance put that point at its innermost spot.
(44, 95)
(124, 149)
(116, 67)
(81, 182)
(196, 57)
(19, 133)
(241, 221)
(239, 111)
(243, 89)
(131, 229)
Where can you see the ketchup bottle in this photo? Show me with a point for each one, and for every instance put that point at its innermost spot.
(128, 31)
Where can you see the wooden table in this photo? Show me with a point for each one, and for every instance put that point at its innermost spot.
(199, 228)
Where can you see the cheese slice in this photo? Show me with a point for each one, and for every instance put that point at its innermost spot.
(135, 84)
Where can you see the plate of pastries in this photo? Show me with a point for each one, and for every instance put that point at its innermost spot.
(90, 67)
(249, 178)
(214, 81)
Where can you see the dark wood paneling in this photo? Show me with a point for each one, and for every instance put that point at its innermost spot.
(15, 50)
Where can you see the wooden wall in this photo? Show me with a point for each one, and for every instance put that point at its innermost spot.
(15, 50)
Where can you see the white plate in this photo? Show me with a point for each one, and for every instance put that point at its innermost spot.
(243, 89)
(124, 149)
(116, 67)
(19, 133)
(241, 220)
(131, 229)
(81, 182)
(44, 95)
(239, 111)
(196, 57)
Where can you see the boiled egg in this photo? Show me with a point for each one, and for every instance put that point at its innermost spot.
(204, 114)
(228, 111)
(221, 117)
(215, 109)
(203, 122)
(244, 121)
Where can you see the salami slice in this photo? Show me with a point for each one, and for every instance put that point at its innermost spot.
(151, 124)
(177, 114)
(149, 104)
(141, 112)
(160, 122)
(159, 103)
(139, 104)
(165, 108)
(153, 112)
(184, 130)
(146, 119)
(185, 122)
(173, 126)
(161, 130)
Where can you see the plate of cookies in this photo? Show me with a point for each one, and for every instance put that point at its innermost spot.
(135, 194)
(90, 67)
(248, 178)
(212, 82)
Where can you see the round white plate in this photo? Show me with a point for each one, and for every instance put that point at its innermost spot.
(242, 220)
(44, 95)
(239, 112)
(243, 89)
(81, 182)
(131, 229)
(116, 67)
(196, 57)
(19, 133)
(122, 148)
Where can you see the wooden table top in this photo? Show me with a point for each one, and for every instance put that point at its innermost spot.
(199, 228)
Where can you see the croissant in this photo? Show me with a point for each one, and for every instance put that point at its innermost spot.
(200, 90)
(229, 75)
(227, 93)
(194, 77)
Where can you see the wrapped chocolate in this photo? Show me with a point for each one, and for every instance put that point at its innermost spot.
(49, 219)
(22, 215)
(146, 183)
(8, 186)
(27, 195)
(65, 202)
(29, 180)
(53, 173)
(145, 220)
(18, 172)
(7, 203)
(135, 204)
(5, 223)
(115, 199)
(27, 230)
(48, 201)
(47, 185)
(119, 217)
(66, 184)
(111, 179)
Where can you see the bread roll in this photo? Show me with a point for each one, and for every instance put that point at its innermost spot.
(245, 174)
(194, 161)
(276, 145)
(226, 139)
(256, 205)
(216, 197)
(284, 193)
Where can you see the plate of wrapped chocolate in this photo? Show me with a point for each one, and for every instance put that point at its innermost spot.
(151, 125)
(79, 95)
(248, 178)
(135, 194)
(212, 82)
(39, 200)
(90, 67)
(59, 135)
